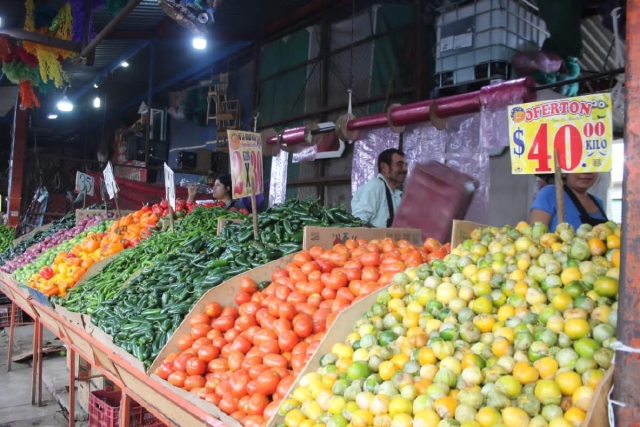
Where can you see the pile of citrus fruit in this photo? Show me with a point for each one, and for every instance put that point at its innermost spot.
(513, 328)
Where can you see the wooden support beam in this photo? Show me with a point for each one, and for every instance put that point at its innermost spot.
(111, 26)
(16, 171)
(18, 33)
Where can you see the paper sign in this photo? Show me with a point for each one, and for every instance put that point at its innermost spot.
(110, 182)
(84, 183)
(169, 186)
(245, 152)
(579, 129)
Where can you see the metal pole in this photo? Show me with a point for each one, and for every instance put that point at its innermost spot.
(627, 366)
(16, 171)
(17, 33)
(149, 99)
(110, 27)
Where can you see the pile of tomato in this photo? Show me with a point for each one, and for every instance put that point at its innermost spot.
(244, 359)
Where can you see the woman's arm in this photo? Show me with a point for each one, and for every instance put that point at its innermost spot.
(538, 215)
(192, 190)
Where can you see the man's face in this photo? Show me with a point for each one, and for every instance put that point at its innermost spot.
(397, 171)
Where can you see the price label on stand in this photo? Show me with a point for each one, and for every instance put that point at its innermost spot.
(85, 183)
(169, 186)
(578, 129)
(245, 152)
(110, 182)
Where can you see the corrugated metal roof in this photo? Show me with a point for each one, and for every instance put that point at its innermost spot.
(145, 17)
(599, 49)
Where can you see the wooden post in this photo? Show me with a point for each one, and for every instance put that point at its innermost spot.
(559, 190)
(125, 409)
(12, 326)
(84, 197)
(72, 386)
(117, 206)
(171, 217)
(254, 210)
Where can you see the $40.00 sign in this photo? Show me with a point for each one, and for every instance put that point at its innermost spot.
(578, 129)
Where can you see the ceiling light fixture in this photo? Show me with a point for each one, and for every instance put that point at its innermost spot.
(199, 43)
(65, 105)
(124, 64)
(95, 85)
(52, 116)
(96, 102)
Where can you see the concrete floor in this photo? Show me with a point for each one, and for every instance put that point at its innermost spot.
(15, 389)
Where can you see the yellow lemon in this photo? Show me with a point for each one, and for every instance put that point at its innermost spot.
(576, 328)
(525, 373)
(562, 301)
(569, 382)
(488, 416)
(575, 416)
(515, 417)
(546, 367)
(294, 418)
(570, 274)
(505, 312)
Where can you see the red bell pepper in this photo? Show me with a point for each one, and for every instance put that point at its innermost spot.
(47, 273)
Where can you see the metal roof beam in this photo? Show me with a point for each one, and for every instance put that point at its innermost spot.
(42, 39)
(111, 26)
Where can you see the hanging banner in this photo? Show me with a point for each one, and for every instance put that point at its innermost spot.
(245, 153)
(85, 184)
(169, 186)
(578, 129)
(110, 181)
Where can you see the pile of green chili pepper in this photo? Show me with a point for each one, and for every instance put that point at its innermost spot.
(176, 269)
(6, 237)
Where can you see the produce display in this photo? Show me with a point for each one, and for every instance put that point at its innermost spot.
(45, 264)
(87, 297)
(245, 359)
(68, 266)
(66, 222)
(49, 242)
(6, 237)
(142, 316)
(513, 328)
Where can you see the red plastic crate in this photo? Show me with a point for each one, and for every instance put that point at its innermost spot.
(104, 411)
(5, 315)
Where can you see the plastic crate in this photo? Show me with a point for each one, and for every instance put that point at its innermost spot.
(478, 40)
(104, 411)
(4, 299)
(5, 315)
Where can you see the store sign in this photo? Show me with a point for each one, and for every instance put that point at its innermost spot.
(85, 184)
(245, 152)
(110, 182)
(578, 129)
(169, 186)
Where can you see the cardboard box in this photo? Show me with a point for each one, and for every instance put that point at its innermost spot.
(31, 233)
(327, 237)
(462, 231)
(342, 326)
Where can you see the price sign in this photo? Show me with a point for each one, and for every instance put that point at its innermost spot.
(85, 183)
(578, 129)
(245, 151)
(110, 182)
(169, 186)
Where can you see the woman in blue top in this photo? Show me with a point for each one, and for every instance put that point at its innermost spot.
(580, 207)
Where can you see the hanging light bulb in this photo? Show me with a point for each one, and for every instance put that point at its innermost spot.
(52, 116)
(96, 102)
(65, 105)
(124, 64)
(199, 43)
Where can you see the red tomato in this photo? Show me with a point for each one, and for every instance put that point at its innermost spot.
(303, 325)
(251, 361)
(245, 322)
(252, 387)
(320, 320)
(207, 353)
(326, 266)
(285, 384)
(241, 344)
(257, 404)
(335, 280)
(287, 340)
(269, 347)
(163, 371)
(248, 285)
(296, 298)
(264, 335)
(230, 311)
(305, 308)
(228, 404)
(256, 370)
(370, 259)
(282, 292)
(185, 342)
(200, 330)
(275, 361)
(180, 364)
(238, 384)
(297, 363)
(213, 333)
(287, 311)
(213, 309)
(223, 323)
(235, 360)
(178, 378)
(199, 318)
(279, 273)
(231, 335)
(194, 381)
(309, 267)
(270, 410)
(195, 366)
(327, 294)
(268, 382)
(315, 299)
(218, 365)
(242, 297)
(249, 309)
